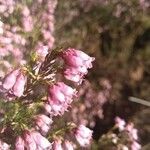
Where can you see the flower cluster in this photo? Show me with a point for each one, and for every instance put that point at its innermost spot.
(33, 134)
(27, 21)
(21, 30)
(131, 132)
(7, 7)
(83, 136)
(90, 97)
(26, 114)
(125, 138)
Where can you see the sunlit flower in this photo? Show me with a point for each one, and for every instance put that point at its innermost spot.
(83, 135)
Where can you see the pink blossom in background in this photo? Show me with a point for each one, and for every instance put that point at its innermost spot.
(60, 97)
(13, 41)
(83, 135)
(1, 27)
(27, 23)
(120, 123)
(47, 20)
(7, 7)
(27, 20)
(133, 132)
(25, 11)
(144, 4)
(135, 146)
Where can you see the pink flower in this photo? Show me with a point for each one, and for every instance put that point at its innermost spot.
(43, 122)
(19, 85)
(83, 135)
(47, 108)
(120, 123)
(4, 146)
(73, 75)
(10, 79)
(35, 141)
(25, 11)
(135, 146)
(60, 97)
(27, 23)
(27, 20)
(77, 58)
(57, 145)
(68, 145)
(14, 83)
(30, 144)
(41, 51)
(41, 142)
(77, 63)
(19, 145)
(133, 132)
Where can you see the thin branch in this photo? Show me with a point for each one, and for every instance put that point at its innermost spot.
(140, 101)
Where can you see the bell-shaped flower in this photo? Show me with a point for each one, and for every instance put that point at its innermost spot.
(19, 145)
(60, 97)
(83, 135)
(19, 85)
(76, 64)
(10, 79)
(57, 144)
(43, 122)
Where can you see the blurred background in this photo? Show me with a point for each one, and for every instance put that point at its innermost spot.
(117, 34)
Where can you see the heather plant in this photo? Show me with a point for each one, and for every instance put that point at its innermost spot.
(45, 102)
(28, 116)
(31, 93)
